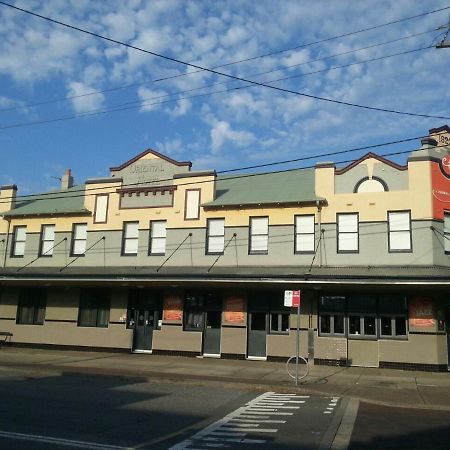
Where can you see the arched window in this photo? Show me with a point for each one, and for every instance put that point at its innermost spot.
(374, 184)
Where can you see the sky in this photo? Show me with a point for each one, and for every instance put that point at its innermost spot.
(46, 70)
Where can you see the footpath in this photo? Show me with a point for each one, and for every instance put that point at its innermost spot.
(410, 389)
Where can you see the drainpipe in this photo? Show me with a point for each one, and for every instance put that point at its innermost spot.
(319, 225)
(6, 242)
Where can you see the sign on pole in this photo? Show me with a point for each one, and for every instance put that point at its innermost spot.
(295, 299)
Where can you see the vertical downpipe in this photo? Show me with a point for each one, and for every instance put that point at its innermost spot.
(6, 242)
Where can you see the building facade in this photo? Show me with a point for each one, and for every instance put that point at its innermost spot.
(157, 258)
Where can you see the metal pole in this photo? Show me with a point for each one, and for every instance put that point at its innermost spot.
(297, 344)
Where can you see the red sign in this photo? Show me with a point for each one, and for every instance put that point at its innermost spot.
(295, 299)
(421, 312)
(234, 310)
(173, 308)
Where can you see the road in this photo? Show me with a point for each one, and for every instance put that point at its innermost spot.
(53, 410)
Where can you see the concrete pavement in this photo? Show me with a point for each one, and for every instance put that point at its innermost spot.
(413, 389)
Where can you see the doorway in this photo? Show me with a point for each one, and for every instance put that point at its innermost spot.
(447, 330)
(256, 335)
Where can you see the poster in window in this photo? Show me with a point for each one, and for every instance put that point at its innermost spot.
(173, 308)
(234, 310)
(421, 312)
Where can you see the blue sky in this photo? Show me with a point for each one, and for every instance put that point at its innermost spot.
(41, 62)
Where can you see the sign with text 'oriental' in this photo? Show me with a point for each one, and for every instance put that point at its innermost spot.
(292, 299)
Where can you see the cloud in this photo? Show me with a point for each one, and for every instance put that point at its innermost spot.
(84, 103)
(150, 99)
(221, 132)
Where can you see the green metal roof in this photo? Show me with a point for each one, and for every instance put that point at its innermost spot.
(294, 186)
(61, 201)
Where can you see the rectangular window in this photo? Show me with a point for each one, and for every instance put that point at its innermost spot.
(18, 243)
(447, 231)
(101, 208)
(31, 306)
(94, 308)
(393, 316)
(399, 224)
(279, 323)
(194, 312)
(79, 238)
(331, 317)
(158, 235)
(259, 235)
(47, 240)
(304, 234)
(348, 233)
(130, 238)
(215, 238)
(192, 204)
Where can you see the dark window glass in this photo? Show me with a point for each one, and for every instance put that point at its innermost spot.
(362, 304)
(279, 323)
(386, 326)
(332, 304)
(258, 321)
(369, 326)
(354, 324)
(339, 324)
(392, 304)
(31, 306)
(325, 324)
(94, 308)
(400, 326)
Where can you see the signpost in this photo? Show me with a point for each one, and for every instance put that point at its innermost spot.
(292, 300)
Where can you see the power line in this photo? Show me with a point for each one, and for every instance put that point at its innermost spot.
(234, 77)
(57, 195)
(139, 103)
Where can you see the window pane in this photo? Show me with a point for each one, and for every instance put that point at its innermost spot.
(338, 324)
(158, 246)
(158, 229)
(370, 326)
(348, 241)
(285, 323)
(80, 231)
(348, 223)
(131, 230)
(216, 244)
(216, 227)
(304, 224)
(79, 247)
(386, 326)
(325, 324)
(131, 246)
(192, 204)
(47, 248)
(20, 233)
(274, 326)
(101, 208)
(19, 249)
(400, 240)
(354, 325)
(259, 225)
(332, 303)
(259, 243)
(48, 232)
(400, 326)
(399, 221)
(305, 242)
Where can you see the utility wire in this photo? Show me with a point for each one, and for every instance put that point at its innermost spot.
(72, 97)
(234, 77)
(139, 103)
(57, 195)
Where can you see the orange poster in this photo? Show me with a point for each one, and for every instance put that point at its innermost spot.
(421, 312)
(173, 308)
(234, 310)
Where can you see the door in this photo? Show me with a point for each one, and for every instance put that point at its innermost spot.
(256, 335)
(143, 331)
(447, 328)
(211, 333)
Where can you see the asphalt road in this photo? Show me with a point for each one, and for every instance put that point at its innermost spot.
(49, 410)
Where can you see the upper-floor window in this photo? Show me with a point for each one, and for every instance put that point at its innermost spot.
(130, 238)
(101, 208)
(192, 204)
(447, 232)
(19, 239)
(31, 306)
(79, 238)
(47, 240)
(399, 225)
(347, 233)
(259, 235)
(215, 239)
(373, 184)
(304, 234)
(157, 245)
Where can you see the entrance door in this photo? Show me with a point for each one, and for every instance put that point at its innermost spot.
(256, 335)
(211, 333)
(447, 328)
(143, 332)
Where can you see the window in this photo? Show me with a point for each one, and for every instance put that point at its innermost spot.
(447, 232)
(362, 311)
(130, 238)
(31, 306)
(304, 234)
(94, 308)
(200, 309)
(373, 184)
(79, 238)
(393, 316)
(192, 204)
(18, 243)
(348, 234)
(267, 308)
(158, 235)
(331, 317)
(399, 223)
(215, 239)
(259, 235)
(101, 208)
(47, 240)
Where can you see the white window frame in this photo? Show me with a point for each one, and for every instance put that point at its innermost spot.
(192, 204)
(215, 236)
(258, 242)
(19, 241)
(347, 232)
(79, 239)
(130, 238)
(101, 208)
(399, 226)
(158, 237)
(47, 240)
(305, 241)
